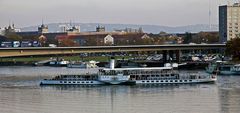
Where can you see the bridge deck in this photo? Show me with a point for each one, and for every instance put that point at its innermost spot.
(26, 51)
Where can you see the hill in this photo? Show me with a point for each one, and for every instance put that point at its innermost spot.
(58, 27)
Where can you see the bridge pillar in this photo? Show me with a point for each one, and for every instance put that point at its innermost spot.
(178, 56)
(164, 56)
(171, 56)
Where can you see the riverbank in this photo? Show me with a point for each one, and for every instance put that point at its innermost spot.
(15, 63)
(28, 61)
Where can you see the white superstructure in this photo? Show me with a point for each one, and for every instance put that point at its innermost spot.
(149, 75)
(223, 69)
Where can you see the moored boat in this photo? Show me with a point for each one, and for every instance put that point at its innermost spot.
(141, 75)
(223, 68)
(90, 64)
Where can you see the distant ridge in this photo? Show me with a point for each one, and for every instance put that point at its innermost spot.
(57, 27)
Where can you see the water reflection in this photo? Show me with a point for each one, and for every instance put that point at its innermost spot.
(149, 98)
(229, 92)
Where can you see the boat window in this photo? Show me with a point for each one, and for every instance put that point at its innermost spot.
(65, 82)
(171, 81)
(161, 80)
(69, 82)
(190, 80)
(78, 82)
(180, 80)
(176, 80)
(143, 81)
(157, 81)
(91, 81)
(82, 82)
(73, 82)
(185, 80)
(152, 81)
(60, 81)
(147, 81)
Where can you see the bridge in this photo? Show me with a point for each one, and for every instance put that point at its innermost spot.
(29, 51)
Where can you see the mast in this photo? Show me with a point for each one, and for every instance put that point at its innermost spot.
(209, 15)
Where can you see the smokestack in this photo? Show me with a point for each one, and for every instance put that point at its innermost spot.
(112, 63)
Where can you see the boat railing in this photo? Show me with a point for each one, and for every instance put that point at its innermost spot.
(193, 76)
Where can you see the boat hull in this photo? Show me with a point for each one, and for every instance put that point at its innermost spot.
(68, 82)
(189, 81)
(130, 82)
(119, 82)
(229, 73)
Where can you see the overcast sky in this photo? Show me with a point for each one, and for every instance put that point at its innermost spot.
(154, 12)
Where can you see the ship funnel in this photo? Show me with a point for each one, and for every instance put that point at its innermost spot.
(112, 63)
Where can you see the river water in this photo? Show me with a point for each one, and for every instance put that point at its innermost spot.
(20, 93)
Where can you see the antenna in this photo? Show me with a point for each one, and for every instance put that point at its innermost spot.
(9, 22)
(42, 21)
(219, 2)
(13, 24)
(73, 23)
(209, 14)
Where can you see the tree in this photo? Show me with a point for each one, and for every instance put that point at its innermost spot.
(206, 37)
(162, 33)
(91, 41)
(158, 40)
(187, 38)
(147, 41)
(67, 43)
(233, 48)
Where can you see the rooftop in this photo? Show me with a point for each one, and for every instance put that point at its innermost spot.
(143, 68)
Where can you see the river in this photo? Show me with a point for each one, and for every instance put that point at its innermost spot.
(20, 93)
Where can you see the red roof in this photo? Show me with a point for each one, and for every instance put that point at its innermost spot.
(115, 36)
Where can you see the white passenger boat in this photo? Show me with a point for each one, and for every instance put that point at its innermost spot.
(90, 64)
(223, 68)
(142, 75)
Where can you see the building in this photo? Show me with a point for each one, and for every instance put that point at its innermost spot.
(2, 38)
(130, 30)
(100, 28)
(10, 29)
(88, 39)
(130, 38)
(106, 38)
(2, 31)
(43, 29)
(71, 29)
(229, 22)
(109, 40)
(98, 37)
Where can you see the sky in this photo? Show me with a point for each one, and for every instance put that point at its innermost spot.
(25, 13)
